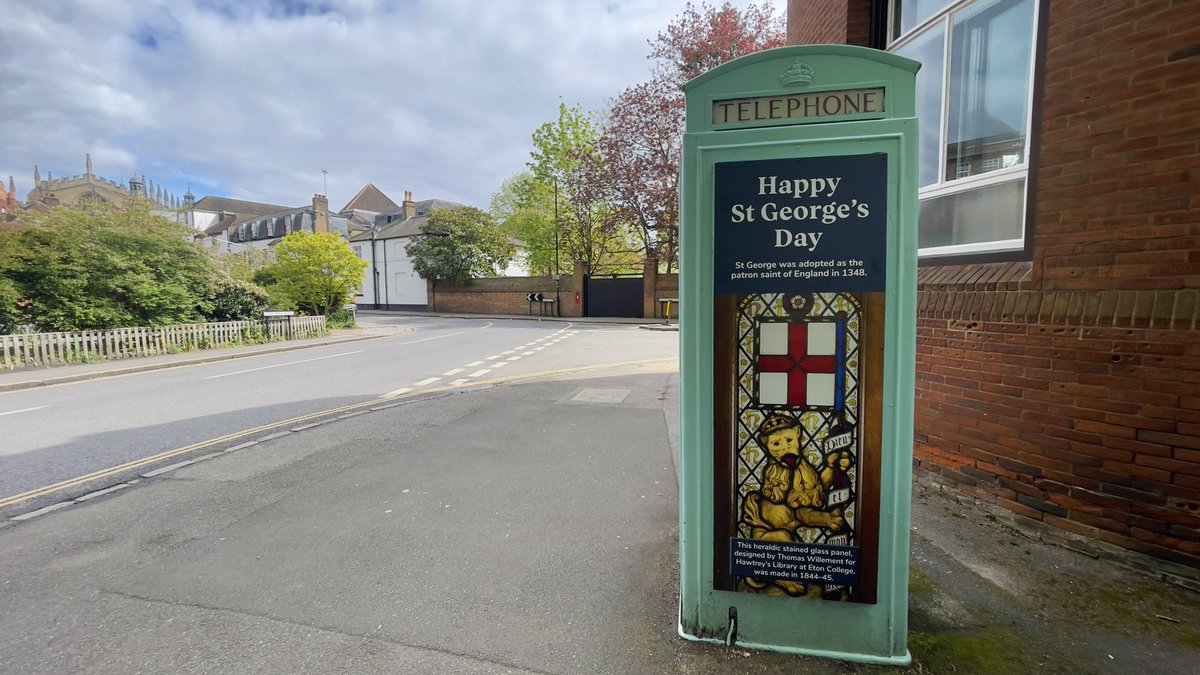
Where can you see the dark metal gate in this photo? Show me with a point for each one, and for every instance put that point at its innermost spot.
(617, 296)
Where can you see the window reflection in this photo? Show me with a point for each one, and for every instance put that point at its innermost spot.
(989, 87)
(910, 13)
(928, 49)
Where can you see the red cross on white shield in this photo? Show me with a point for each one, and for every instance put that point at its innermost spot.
(798, 364)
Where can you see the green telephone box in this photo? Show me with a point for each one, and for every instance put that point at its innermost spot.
(798, 226)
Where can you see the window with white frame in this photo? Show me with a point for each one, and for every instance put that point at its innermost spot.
(974, 95)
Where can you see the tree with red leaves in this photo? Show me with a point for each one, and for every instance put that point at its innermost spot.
(700, 40)
(640, 144)
(642, 137)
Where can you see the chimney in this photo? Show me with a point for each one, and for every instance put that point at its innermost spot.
(320, 213)
(410, 207)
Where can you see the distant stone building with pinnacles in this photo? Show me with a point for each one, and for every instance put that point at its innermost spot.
(50, 192)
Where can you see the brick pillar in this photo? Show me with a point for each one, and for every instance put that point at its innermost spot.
(578, 289)
(650, 288)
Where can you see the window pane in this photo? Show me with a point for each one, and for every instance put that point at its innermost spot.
(992, 213)
(929, 49)
(990, 47)
(909, 13)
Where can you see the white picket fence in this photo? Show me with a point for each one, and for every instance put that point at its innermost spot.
(55, 349)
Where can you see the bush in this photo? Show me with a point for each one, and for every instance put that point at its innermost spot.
(75, 270)
(340, 319)
(234, 300)
(10, 316)
(313, 272)
(254, 335)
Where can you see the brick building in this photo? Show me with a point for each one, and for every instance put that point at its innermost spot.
(1058, 371)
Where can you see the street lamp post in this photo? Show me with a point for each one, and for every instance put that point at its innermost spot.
(557, 270)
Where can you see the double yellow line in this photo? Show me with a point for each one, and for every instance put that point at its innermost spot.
(104, 473)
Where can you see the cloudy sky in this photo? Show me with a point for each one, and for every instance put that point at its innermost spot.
(252, 99)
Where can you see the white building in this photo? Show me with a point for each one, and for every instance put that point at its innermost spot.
(390, 281)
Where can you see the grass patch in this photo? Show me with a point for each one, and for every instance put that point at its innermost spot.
(919, 584)
(990, 651)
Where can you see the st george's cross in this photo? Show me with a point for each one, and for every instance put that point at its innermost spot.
(801, 364)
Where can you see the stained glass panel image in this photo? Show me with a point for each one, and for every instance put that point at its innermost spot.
(796, 432)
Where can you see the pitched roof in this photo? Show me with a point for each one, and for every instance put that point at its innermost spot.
(370, 198)
(222, 224)
(359, 224)
(229, 218)
(406, 227)
(281, 211)
(219, 204)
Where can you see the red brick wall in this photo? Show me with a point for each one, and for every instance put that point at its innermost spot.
(1119, 177)
(658, 286)
(845, 22)
(507, 295)
(1067, 388)
(1077, 409)
(504, 295)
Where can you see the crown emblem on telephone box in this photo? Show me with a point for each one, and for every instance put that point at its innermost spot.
(798, 74)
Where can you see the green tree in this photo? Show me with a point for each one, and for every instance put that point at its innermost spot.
(315, 271)
(460, 244)
(566, 162)
(243, 265)
(524, 207)
(10, 294)
(77, 269)
(559, 145)
(10, 297)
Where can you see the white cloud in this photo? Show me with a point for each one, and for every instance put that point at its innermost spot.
(252, 99)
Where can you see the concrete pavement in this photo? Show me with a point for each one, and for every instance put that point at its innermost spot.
(525, 527)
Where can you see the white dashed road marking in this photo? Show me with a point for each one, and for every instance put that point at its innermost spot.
(14, 412)
(529, 346)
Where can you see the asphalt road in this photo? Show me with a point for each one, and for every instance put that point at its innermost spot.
(52, 434)
(522, 527)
